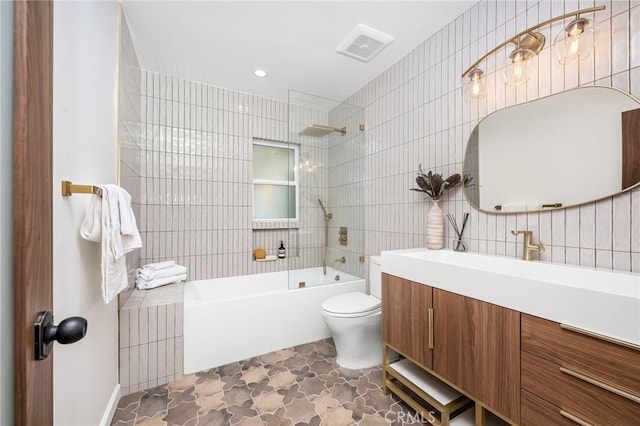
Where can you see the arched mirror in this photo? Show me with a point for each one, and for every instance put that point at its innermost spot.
(562, 150)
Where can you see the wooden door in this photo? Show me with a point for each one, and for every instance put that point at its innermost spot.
(32, 208)
(405, 317)
(477, 347)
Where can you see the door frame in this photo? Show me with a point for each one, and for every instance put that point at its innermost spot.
(32, 205)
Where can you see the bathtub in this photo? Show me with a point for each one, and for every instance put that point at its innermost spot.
(231, 319)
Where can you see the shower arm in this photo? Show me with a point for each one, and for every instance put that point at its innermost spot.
(327, 217)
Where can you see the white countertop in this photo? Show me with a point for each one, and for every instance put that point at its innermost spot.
(601, 301)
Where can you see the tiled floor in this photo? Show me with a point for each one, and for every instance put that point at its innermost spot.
(295, 386)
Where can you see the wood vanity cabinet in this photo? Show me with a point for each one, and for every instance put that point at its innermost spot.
(405, 318)
(477, 347)
(530, 370)
(569, 377)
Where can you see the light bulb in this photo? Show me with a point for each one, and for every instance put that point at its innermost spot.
(475, 89)
(476, 86)
(575, 47)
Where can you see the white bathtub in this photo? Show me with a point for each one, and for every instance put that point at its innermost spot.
(231, 319)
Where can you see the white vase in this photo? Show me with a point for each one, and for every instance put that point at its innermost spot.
(435, 226)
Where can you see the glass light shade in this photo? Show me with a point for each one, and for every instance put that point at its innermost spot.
(576, 42)
(475, 86)
(518, 66)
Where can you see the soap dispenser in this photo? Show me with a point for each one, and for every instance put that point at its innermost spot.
(282, 252)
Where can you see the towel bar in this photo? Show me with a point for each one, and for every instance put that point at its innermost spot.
(69, 188)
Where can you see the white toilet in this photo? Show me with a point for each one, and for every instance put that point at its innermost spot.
(354, 320)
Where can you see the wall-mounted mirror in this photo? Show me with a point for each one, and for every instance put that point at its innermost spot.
(562, 150)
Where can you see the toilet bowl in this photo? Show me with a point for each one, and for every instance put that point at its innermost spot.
(354, 320)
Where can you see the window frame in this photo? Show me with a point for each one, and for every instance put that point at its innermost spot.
(275, 182)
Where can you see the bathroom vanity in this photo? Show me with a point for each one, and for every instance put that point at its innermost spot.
(534, 343)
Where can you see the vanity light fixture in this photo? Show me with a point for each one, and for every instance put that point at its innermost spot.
(575, 42)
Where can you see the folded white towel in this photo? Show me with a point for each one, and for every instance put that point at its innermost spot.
(159, 265)
(145, 285)
(102, 224)
(148, 274)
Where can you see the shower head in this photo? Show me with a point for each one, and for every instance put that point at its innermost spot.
(318, 130)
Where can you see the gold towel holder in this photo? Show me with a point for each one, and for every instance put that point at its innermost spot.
(69, 188)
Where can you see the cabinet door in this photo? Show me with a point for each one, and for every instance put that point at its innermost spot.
(405, 317)
(477, 347)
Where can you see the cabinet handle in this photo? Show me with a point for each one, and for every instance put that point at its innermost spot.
(574, 418)
(430, 328)
(600, 336)
(601, 385)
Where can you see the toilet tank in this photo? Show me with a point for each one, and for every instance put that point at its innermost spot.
(375, 277)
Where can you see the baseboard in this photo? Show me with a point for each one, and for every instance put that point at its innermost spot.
(111, 407)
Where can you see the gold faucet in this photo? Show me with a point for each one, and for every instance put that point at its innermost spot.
(527, 247)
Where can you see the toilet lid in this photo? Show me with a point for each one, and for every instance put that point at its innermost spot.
(351, 303)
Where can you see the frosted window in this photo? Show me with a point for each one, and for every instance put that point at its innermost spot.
(274, 202)
(275, 181)
(273, 163)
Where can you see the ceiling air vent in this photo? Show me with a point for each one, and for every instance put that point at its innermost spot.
(364, 43)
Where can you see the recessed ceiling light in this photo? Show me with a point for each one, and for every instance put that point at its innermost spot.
(259, 73)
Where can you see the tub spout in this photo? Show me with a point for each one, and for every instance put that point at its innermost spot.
(341, 260)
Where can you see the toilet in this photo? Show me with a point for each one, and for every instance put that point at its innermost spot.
(354, 320)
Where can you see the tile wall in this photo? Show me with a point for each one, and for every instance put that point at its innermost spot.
(415, 112)
(196, 162)
(129, 137)
(151, 338)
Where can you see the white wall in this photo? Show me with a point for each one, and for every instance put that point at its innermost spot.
(6, 239)
(85, 152)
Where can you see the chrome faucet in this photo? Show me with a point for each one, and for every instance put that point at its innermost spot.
(528, 247)
(341, 260)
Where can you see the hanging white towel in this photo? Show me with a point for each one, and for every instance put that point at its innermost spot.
(113, 213)
(159, 265)
(145, 285)
(148, 275)
(91, 228)
(124, 232)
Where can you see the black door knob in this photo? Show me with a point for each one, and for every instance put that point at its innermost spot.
(68, 331)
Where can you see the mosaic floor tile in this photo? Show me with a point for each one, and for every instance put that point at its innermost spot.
(213, 402)
(299, 386)
(237, 395)
(324, 401)
(254, 374)
(210, 387)
(300, 411)
(290, 394)
(337, 416)
(181, 413)
(258, 388)
(240, 412)
(267, 402)
(283, 380)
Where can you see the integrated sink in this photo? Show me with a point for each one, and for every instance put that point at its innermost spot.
(597, 300)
